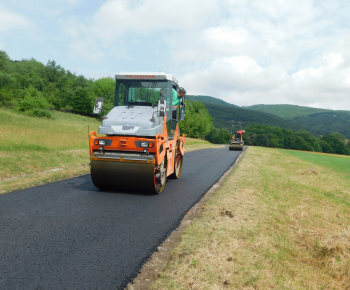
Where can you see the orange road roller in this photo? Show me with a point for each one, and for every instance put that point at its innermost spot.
(236, 141)
(141, 145)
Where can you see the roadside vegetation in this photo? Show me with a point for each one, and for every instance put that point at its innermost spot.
(280, 220)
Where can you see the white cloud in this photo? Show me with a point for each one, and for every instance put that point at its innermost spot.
(121, 18)
(241, 81)
(71, 3)
(117, 17)
(222, 36)
(10, 20)
(229, 77)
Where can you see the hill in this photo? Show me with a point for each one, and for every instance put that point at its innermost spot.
(288, 112)
(225, 116)
(327, 122)
(319, 121)
(208, 100)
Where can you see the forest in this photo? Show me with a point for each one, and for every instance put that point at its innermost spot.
(35, 89)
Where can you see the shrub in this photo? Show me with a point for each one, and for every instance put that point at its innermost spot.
(33, 99)
(40, 113)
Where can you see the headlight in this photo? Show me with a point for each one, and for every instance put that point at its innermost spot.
(144, 144)
(103, 142)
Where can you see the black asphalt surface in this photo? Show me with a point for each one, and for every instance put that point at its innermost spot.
(70, 235)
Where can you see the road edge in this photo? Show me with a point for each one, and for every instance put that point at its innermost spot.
(156, 263)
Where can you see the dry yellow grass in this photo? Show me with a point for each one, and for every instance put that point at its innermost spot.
(276, 222)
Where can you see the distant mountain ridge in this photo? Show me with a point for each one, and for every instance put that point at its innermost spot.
(225, 115)
(208, 100)
(319, 121)
(288, 112)
(316, 121)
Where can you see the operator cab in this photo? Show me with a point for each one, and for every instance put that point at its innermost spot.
(150, 89)
(140, 104)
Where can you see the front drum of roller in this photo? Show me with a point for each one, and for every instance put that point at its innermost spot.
(125, 176)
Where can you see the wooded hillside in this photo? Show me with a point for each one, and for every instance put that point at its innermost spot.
(34, 88)
(226, 116)
(288, 112)
(208, 100)
(318, 121)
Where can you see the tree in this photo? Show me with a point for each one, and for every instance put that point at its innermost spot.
(4, 61)
(33, 99)
(82, 102)
(6, 80)
(218, 136)
(198, 122)
(337, 142)
(105, 88)
(299, 143)
(53, 71)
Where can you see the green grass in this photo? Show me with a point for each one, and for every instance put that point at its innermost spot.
(338, 163)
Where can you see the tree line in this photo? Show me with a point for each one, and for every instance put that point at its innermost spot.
(34, 88)
(274, 137)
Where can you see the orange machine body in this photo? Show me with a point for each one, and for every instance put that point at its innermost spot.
(160, 146)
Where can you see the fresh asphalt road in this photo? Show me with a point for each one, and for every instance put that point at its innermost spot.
(70, 235)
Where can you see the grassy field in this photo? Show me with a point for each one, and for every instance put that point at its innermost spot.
(279, 221)
(35, 151)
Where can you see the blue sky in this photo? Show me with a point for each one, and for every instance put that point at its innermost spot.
(244, 52)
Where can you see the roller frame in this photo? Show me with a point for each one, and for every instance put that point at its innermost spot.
(114, 167)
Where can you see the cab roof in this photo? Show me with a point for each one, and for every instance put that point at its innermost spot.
(145, 76)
